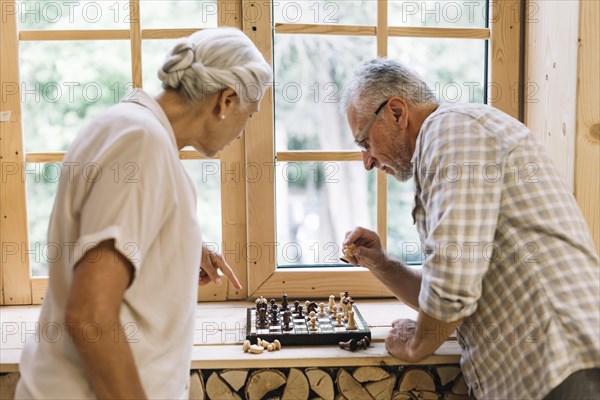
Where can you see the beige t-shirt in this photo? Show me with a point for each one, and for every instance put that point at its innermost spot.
(122, 179)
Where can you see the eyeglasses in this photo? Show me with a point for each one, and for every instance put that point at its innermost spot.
(361, 137)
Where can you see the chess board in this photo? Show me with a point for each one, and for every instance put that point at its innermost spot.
(327, 332)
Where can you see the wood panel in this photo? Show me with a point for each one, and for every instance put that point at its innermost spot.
(320, 283)
(587, 151)
(300, 156)
(321, 29)
(454, 33)
(260, 154)
(136, 43)
(505, 54)
(167, 33)
(551, 71)
(41, 35)
(14, 264)
(233, 184)
(382, 183)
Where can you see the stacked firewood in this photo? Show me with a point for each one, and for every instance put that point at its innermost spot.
(360, 383)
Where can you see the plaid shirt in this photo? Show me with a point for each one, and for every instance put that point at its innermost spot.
(506, 247)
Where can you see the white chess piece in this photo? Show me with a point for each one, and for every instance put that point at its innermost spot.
(351, 326)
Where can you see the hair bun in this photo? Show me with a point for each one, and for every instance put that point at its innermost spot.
(179, 59)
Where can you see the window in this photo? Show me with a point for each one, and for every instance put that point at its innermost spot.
(320, 188)
(63, 63)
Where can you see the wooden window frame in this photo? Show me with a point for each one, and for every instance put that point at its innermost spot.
(265, 278)
(247, 206)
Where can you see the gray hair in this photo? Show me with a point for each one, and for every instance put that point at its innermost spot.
(376, 80)
(212, 60)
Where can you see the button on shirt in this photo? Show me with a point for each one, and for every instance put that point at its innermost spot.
(507, 249)
(122, 179)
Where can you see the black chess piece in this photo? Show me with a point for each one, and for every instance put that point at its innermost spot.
(299, 309)
(284, 302)
(287, 318)
(296, 304)
(261, 318)
(274, 317)
(312, 307)
(364, 343)
(351, 345)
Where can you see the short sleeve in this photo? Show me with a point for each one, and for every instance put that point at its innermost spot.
(128, 196)
(461, 179)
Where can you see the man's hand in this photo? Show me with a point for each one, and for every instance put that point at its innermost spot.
(413, 341)
(211, 264)
(397, 342)
(369, 252)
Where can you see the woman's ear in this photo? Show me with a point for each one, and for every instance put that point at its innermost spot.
(227, 101)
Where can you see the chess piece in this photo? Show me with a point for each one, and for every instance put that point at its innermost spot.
(322, 310)
(345, 306)
(274, 317)
(311, 314)
(307, 306)
(364, 343)
(313, 324)
(261, 319)
(296, 305)
(287, 318)
(351, 345)
(284, 302)
(351, 325)
(334, 310)
(273, 304)
(338, 320)
(331, 304)
(299, 309)
(313, 306)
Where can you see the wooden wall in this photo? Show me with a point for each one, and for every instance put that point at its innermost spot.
(562, 93)
(587, 139)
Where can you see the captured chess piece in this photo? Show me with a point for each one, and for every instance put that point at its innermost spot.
(353, 344)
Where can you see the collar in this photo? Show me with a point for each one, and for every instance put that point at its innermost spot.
(138, 96)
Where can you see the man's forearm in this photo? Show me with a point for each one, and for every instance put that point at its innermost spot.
(429, 335)
(402, 281)
(107, 359)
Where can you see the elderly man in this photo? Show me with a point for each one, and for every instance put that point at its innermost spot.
(509, 260)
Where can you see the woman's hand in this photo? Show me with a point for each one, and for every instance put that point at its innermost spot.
(212, 262)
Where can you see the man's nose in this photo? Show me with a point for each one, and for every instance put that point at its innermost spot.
(368, 161)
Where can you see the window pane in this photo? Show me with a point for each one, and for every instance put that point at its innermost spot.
(454, 79)
(206, 176)
(156, 14)
(80, 14)
(436, 13)
(41, 182)
(403, 239)
(65, 84)
(317, 203)
(310, 73)
(328, 12)
(153, 56)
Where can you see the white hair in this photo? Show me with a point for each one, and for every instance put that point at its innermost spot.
(212, 60)
(376, 80)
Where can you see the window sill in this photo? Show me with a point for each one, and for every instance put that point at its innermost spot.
(220, 330)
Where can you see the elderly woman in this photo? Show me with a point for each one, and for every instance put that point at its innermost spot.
(118, 318)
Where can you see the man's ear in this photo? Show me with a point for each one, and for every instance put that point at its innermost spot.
(227, 101)
(399, 107)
